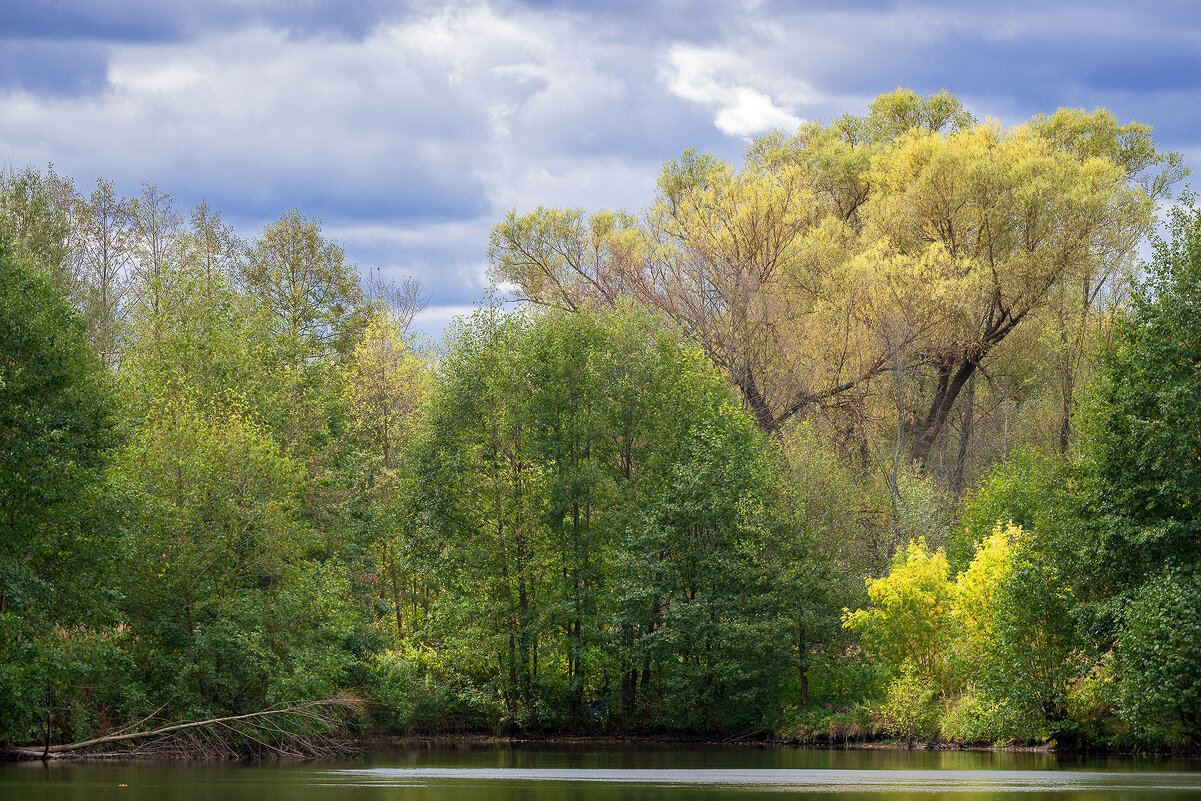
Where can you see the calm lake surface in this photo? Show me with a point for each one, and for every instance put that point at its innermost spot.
(592, 773)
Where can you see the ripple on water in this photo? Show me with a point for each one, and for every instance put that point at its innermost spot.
(815, 780)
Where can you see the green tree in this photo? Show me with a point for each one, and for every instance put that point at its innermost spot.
(156, 229)
(315, 295)
(596, 514)
(386, 388)
(1159, 677)
(62, 525)
(1033, 657)
(1146, 417)
(108, 248)
(230, 610)
(37, 210)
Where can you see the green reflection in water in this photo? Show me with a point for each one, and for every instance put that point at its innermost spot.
(590, 773)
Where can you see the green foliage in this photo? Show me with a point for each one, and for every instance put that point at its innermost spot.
(596, 515)
(1023, 489)
(62, 536)
(36, 215)
(844, 677)
(1032, 659)
(1091, 708)
(978, 590)
(205, 338)
(1157, 666)
(924, 509)
(230, 610)
(55, 409)
(567, 519)
(1130, 146)
(419, 688)
(832, 499)
(315, 297)
(910, 708)
(1146, 417)
(1000, 639)
(974, 718)
(827, 725)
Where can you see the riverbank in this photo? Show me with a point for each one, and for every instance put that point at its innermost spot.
(674, 739)
(757, 739)
(467, 741)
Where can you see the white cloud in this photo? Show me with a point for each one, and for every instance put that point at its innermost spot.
(603, 182)
(749, 112)
(407, 234)
(436, 317)
(409, 142)
(412, 136)
(718, 78)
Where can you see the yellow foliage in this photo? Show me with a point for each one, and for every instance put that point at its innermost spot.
(852, 257)
(909, 622)
(385, 388)
(921, 620)
(976, 590)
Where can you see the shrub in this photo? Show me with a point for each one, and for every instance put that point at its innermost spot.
(415, 691)
(909, 621)
(910, 710)
(1159, 672)
(975, 719)
(1090, 706)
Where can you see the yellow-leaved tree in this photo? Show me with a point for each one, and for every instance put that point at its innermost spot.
(977, 590)
(385, 387)
(870, 262)
(910, 621)
(972, 231)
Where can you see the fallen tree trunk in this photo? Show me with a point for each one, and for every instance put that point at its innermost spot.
(298, 730)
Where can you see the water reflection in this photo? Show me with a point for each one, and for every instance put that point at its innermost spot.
(593, 773)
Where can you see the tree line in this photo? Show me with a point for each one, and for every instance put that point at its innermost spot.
(883, 430)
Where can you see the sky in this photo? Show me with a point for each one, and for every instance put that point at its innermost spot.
(410, 129)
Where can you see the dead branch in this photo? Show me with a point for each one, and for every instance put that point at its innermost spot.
(298, 730)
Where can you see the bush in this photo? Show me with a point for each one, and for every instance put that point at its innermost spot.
(827, 724)
(415, 691)
(1159, 672)
(974, 719)
(909, 622)
(1091, 708)
(910, 710)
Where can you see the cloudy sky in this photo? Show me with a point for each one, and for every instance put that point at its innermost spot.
(410, 128)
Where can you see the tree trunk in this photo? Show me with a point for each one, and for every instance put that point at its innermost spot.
(965, 436)
(950, 382)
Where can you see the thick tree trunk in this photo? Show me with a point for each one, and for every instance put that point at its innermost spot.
(951, 381)
(755, 402)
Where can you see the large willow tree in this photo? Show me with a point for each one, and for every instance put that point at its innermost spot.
(911, 242)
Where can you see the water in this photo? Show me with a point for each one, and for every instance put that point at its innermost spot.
(633, 773)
